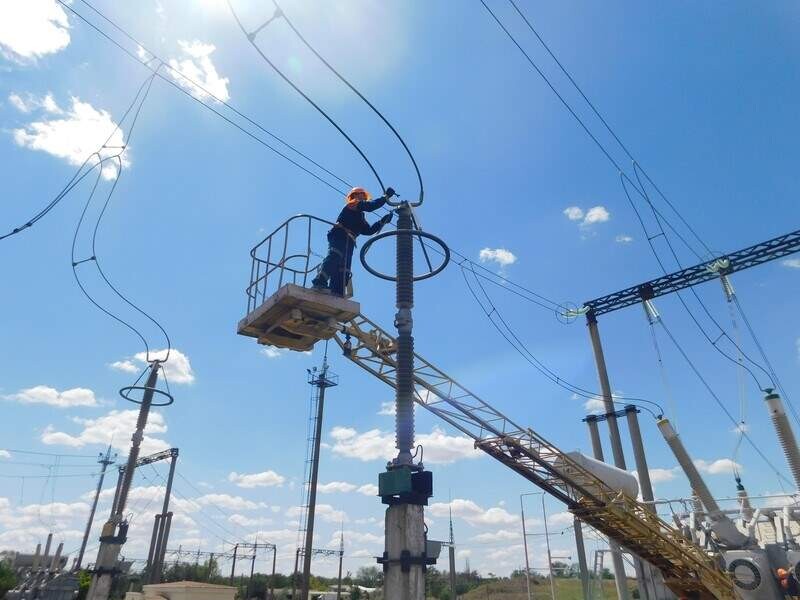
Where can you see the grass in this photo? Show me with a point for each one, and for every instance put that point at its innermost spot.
(566, 589)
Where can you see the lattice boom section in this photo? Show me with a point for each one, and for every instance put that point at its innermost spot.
(685, 567)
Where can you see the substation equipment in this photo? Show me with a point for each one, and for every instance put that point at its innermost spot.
(724, 563)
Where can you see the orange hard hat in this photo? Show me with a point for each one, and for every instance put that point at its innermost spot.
(357, 190)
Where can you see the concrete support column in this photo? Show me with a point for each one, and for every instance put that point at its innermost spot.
(405, 532)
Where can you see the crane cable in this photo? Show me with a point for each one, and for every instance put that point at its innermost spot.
(139, 100)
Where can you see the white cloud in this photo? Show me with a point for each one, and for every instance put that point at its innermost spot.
(595, 406)
(501, 256)
(272, 352)
(73, 135)
(792, 263)
(591, 216)
(387, 409)
(472, 513)
(596, 214)
(501, 535)
(5, 454)
(325, 512)
(31, 29)
(226, 501)
(374, 444)
(623, 239)
(177, 369)
(560, 519)
(662, 475)
(254, 480)
(244, 521)
(124, 365)
(717, 467)
(336, 486)
(114, 428)
(196, 65)
(368, 489)
(42, 394)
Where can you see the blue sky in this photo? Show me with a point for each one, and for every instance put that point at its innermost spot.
(703, 95)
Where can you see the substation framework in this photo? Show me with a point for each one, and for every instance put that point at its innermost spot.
(296, 321)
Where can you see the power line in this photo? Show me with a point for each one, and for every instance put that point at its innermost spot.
(719, 402)
(196, 85)
(16, 451)
(360, 95)
(142, 92)
(606, 125)
(512, 338)
(306, 97)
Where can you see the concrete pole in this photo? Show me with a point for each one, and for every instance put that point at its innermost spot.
(294, 573)
(616, 554)
(581, 549)
(594, 436)
(605, 388)
(152, 552)
(233, 564)
(105, 461)
(616, 443)
(163, 531)
(272, 579)
(549, 556)
(320, 383)
(451, 551)
(341, 557)
(252, 569)
(115, 531)
(647, 575)
(525, 546)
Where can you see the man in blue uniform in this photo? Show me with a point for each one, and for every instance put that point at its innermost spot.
(335, 270)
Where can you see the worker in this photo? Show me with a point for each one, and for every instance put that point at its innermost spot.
(334, 273)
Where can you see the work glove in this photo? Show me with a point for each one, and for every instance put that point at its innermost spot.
(389, 193)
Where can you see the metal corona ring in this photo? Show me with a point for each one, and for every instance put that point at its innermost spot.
(125, 393)
(422, 234)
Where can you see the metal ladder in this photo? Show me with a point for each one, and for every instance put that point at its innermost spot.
(687, 569)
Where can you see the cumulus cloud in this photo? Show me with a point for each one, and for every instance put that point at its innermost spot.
(368, 489)
(226, 501)
(375, 444)
(114, 428)
(5, 454)
(336, 486)
(32, 29)
(177, 369)
(244, 521)
(588, 217)
(72, 135)
(42, 394)
(595, 406)
(662, 475)
(500, 256)
(197, 71)
(501, 535)
(387, 409)
(473, 513)
(325, 512)
(623, 239)
(254, 480)
(792, 263)
(272, 352)
(717, 467)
